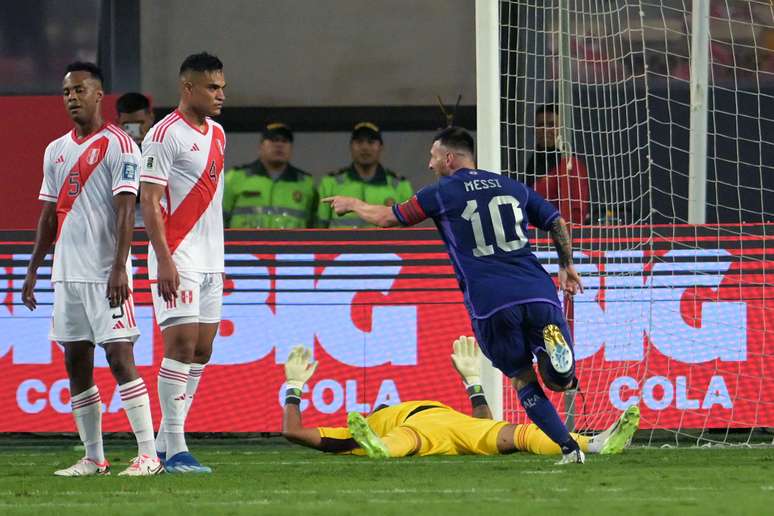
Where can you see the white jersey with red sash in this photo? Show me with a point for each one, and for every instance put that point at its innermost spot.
(82, 175)
(189, 163)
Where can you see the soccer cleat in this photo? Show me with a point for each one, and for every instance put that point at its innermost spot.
(143, 466)
(162, 457)
(558, 350)
(184, 462)
(574, 457)
(84, 468)
(365, 437)
(619, 435)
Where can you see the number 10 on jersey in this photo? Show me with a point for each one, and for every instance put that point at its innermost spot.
(482, 248)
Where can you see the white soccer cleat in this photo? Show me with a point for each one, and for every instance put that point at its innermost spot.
(84, 468)
(558, 350)
(574, 457)
(143, 466)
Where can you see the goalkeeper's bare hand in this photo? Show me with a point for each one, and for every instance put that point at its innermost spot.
(467, 360)
(298, 367)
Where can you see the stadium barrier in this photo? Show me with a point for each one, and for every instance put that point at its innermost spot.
(681, 331)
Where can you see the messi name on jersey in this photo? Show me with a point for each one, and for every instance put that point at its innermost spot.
(481, 184)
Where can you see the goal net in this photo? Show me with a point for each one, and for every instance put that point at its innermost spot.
(651, 127)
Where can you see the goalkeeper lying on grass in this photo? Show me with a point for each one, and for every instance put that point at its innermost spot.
(429, 427)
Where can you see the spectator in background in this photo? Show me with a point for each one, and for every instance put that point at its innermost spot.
(270, 192)
(561, 180)
(365, 179)
(135, 116)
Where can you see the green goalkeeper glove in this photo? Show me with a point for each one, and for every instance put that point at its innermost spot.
(298, 368)
(467, 360)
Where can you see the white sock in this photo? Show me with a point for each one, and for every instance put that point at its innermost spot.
(136, 403)
(194, 377)
(161, 442)
(173, 377)
(87, 410)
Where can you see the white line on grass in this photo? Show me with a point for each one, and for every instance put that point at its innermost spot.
(316, 502)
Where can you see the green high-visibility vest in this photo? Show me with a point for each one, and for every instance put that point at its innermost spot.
(386, 187)
(252, 199)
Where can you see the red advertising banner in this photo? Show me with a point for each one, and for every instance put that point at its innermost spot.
(677, 326)
(28, 125)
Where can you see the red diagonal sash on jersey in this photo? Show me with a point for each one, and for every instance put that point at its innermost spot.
(188, 213)
(76, 179)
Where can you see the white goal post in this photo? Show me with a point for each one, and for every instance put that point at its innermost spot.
(488, 141)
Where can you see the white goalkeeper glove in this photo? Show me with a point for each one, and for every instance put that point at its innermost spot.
(467, 360)
(298, 368)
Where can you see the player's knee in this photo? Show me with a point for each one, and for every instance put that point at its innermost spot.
(523, 378)
(557, 382)
(180, 347)
(77, 362)
(202, 356)
(121, 361)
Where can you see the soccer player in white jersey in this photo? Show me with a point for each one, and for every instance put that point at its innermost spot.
(182, 201)
(90, 180)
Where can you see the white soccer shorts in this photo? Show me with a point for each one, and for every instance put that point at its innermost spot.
(82, 312)
(199, 300)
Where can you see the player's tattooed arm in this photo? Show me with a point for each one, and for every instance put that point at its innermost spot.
(44, 237)
(561, 238)
(569, 280)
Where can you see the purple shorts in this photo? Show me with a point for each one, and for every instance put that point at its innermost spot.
(511, 336)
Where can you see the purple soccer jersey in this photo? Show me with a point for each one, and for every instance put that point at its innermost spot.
(482, 218)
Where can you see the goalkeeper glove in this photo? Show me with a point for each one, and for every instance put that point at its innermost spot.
(298, 368)
(467, 360)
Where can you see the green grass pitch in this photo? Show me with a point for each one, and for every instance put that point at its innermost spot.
(268, 476)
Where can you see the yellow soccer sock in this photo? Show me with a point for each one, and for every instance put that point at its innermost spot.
(401, 441)
(531, 439)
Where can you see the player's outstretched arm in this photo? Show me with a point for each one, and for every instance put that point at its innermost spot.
(466, 359)
(150, 203)
(569, 280)
(298, 370)
(118, 283)
(375, 214)
(44, 237)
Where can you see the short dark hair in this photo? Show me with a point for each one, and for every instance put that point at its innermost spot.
(456, 138)
(201, 62)
(131, 102)
(547, 108)
(84, 66)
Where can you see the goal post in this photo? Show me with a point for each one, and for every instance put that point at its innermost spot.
(488, 142)
(697, 164)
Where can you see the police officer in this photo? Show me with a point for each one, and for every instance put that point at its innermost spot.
(270, 192)
(365, 178)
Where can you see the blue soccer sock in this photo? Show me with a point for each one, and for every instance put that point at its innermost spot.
(543, 414)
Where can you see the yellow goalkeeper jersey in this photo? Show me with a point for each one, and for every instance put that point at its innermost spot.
(441, 429)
